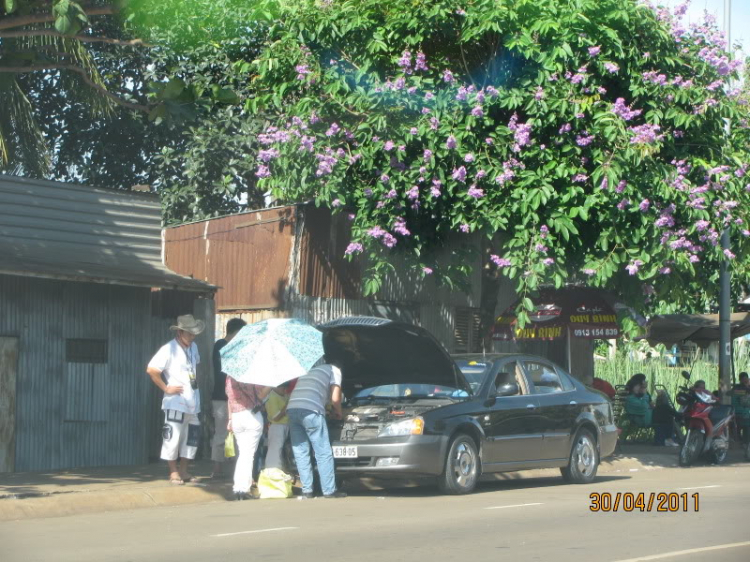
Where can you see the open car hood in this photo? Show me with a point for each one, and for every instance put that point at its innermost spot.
(377, 351)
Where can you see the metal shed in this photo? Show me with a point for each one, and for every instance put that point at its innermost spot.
(289, 261)
(78, 270)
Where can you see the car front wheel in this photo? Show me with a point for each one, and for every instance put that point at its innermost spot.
(461, 466)
(584, 459)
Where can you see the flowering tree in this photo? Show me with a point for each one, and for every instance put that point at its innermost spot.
(587, 139)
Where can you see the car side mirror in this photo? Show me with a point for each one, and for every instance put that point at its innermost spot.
(685, 375)
(509, 389)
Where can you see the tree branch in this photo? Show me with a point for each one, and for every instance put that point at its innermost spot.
(82, 38)
(19, 21)
(86, 78)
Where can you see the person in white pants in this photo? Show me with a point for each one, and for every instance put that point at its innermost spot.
(248, 429)
(219, 399)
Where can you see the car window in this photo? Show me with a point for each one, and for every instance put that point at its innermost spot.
(474, 372)
(566, 381)
(510, 372)
(543, 376)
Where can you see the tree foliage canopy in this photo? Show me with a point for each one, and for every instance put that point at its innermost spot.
(591, 135)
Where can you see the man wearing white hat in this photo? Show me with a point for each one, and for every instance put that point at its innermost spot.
(173, 370)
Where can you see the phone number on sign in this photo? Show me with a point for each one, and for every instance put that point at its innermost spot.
(595, 332)
(659, 502)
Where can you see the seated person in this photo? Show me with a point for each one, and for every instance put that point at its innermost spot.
(603, 386)
(548, 382)
(663, 419)
(638, 406)
(741, 403)
(635, 380)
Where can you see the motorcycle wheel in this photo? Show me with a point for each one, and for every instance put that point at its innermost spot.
(718, 456)
(691, 450)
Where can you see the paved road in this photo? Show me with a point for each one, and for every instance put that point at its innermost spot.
(539, 519)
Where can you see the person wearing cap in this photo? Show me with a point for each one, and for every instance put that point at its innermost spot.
(173, 370)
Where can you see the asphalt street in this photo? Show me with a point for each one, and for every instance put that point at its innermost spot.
(538, 519)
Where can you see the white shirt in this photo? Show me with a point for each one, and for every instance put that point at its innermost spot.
(313, 389)
(176, 363)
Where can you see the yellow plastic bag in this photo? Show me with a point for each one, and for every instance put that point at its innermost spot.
(229, 451)
(274, 483)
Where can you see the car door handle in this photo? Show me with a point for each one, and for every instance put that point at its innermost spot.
(530, 407)
(573, 403)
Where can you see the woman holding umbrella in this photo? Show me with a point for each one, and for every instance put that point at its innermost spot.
(247, 426)
(259, 358)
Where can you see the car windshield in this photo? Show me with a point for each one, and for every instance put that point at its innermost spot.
(410, 391)
(474, 371)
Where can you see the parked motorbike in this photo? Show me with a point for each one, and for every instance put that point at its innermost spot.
(706, 423)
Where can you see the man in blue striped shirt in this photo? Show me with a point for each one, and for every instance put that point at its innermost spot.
(307, 426)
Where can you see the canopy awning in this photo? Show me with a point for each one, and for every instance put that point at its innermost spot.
(702, 329)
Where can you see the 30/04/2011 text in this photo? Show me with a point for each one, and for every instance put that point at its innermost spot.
(661, 502)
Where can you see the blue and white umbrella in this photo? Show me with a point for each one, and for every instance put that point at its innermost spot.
(271, 352)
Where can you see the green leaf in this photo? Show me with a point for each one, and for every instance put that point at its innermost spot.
(11, 6)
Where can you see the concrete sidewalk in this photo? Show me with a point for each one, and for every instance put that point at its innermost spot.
(72, 492)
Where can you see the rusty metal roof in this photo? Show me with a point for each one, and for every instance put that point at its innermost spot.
(65, 231)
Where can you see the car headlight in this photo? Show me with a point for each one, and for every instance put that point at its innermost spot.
(412, 426)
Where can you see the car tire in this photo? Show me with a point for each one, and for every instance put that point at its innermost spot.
(461, 466)
(584, 459)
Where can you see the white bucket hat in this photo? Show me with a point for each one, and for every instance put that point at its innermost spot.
(187, 323)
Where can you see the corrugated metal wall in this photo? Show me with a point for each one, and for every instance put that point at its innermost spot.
(247, 255)
(43, 314)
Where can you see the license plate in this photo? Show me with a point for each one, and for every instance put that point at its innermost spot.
(344, 452)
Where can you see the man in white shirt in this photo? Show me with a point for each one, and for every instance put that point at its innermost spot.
(173, 370)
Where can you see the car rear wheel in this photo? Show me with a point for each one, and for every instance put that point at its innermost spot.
(461, 466)
(584, 459)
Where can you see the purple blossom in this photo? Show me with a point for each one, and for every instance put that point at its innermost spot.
(666, 270)
(645, 134)
(475, 192)
(584, 139)
(464, 228)
(411, 90)
(413, 193)
(612, 67)
(539, 94)
(354, 248)
(263, 172)
(580, 178)
(429, 96)
(492, 92)
(694, 259)
(623, 111)
(427, 155)
(589, 272)
(421, 62)
(489, 141)
(367, 192)
(622, 204)
(414, 131)
(302, 71)
(594, 51)
(427, 270)
(621, 186)
(702, 225)
(385, 178)
(399, 227)
(389, 240)
(548, 261)
(333, 129)
(405, 62)
(267, 155)
(500, 262)
(448, 76)
(480, 174)
(565, 129)
(376, 232)
(728, 253)
(634, 266)
(469, 157)
(459, 174)
(435, 189)
(426, 110)
(391, 194)
(388, 146)
(336, 203)
(644, 205)
(434, 123)
(477, 111)
(451, 142)
(541, 248)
